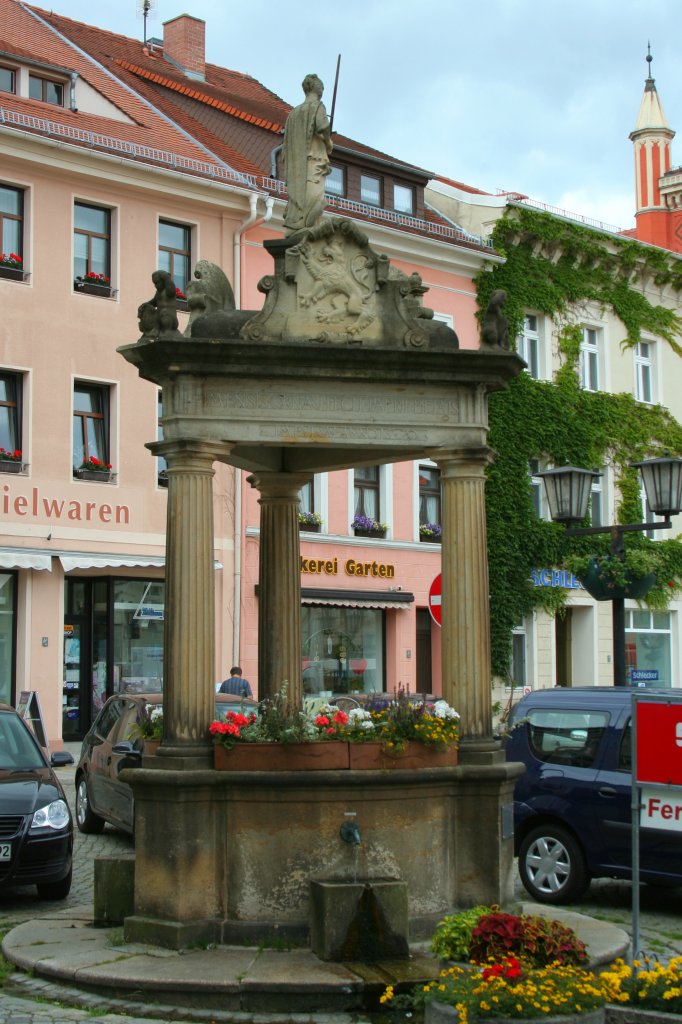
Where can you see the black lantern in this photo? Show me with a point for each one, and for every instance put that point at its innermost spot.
(568, 492)
(662, 479)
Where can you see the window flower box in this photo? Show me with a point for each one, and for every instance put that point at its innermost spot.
(94, 284)
(430, 533)
(11, 273)
(364, 526)
(10, 462)
(310, 522)
(329, 755)
(93, 469)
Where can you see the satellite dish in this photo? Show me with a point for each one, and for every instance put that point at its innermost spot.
(145, 9)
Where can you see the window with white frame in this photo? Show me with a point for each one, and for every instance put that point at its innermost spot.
(445, 318)
(647, 515)
(335, 183)
(528, 344)
(403, 199)
(596, 503)
(517, 667)
(90, 424)
(644, 378)
(648, 648)
(589, 359)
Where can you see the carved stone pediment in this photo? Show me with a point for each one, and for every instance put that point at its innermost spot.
(330, 286)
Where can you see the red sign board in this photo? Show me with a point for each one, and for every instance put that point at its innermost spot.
(659, 742)
(435, 593)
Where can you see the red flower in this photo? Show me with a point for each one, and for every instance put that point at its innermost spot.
(322, 720)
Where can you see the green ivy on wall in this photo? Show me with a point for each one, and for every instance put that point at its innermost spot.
(552, 267)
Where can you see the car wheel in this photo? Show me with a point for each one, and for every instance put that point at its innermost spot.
(552, 865)
(87, 821)
(55, 890)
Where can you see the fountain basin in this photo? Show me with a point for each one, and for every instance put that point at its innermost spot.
(365, 921)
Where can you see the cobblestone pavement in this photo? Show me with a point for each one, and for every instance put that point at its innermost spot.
(607, 900)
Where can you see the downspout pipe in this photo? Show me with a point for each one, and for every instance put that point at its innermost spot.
(253, 220)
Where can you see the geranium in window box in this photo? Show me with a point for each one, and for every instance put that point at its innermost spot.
(93, 469)
(310, 521)
(11, 266)
(430, 533)
(365, 526)
(10, 461)
(181, 302)
(93, 284)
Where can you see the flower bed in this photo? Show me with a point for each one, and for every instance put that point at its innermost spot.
(327, 756)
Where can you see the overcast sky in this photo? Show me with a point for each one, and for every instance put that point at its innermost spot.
(531, 96)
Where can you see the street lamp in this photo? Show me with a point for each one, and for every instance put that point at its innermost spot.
(568, 494)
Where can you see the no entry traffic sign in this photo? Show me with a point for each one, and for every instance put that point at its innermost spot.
(435, 593)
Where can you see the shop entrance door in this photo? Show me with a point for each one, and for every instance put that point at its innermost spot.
(75, 692)
(424, 666)
(563, 633)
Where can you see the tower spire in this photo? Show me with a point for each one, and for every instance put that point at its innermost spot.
(651, 138)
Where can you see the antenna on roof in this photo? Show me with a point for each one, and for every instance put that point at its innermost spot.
(144, 9)
(336, 84)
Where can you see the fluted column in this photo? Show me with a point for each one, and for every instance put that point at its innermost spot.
(279, 584)
(189, 616)
(465, 604)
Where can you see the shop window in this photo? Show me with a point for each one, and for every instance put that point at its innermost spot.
(342, 650)
(11, 228)
(590, 355)
(367, 493)
(92, 249)
(8, 80)
(10, 411)
(336, 181)
(648, 641)
(175, 253)
(7, 635)
(403, 199)
(138, 635)
(90, 423)
(644, 355)
(370, 190)
(429, 496)
(46, 90)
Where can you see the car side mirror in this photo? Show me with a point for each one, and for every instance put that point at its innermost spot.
(61, 758)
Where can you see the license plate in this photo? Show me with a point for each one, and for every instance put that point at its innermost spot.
(5, 851)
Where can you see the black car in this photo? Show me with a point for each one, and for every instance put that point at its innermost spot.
(36, 829)
(113, 742)
(572, 805)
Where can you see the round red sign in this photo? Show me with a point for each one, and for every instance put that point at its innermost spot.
(435, 592)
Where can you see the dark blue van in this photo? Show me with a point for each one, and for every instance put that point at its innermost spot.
(572, 806)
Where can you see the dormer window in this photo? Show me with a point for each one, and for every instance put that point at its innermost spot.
(8, 80)
(370, 190)
(336, 181)
(403, 199)
(46, 90)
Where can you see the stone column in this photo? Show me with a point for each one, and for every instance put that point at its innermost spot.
(189, 617)
(279, 584)
(465, 605)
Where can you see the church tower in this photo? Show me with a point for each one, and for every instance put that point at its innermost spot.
(652, 137)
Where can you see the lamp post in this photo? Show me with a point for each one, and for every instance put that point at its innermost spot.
(568, 494)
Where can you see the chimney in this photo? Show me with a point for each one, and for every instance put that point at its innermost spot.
(184, 44)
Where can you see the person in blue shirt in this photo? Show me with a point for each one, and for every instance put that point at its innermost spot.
(236, 684)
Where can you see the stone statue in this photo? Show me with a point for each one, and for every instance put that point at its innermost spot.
(207, 294)
(159, 316)
(210, 296)
(307, 145)
(495, 330)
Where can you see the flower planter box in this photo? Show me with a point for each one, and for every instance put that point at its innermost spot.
(601, 587)
(12, 273)
(360, 532)
(281, 757)
(103, 290)
(413, 755)
(429, 540)
(8, 466)
(327, 755)
(182, 305)
(92, 474)
(309, 527)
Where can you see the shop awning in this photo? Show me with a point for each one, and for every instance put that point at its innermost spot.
(385, 599)
(89, 561)
(18, 559)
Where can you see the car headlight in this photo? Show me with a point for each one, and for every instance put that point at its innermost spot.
(55, 816)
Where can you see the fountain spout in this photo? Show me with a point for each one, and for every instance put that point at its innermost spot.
(350, 833)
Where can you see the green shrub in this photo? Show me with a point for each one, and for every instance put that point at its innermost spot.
(453, 934)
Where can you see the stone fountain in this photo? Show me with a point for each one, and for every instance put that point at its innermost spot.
(343, 366)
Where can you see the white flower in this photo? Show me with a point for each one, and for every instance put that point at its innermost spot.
(156, 713)
(367, 725)
(442, 709)
(358, 716)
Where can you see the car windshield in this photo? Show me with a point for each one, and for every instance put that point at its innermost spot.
(18, 749)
